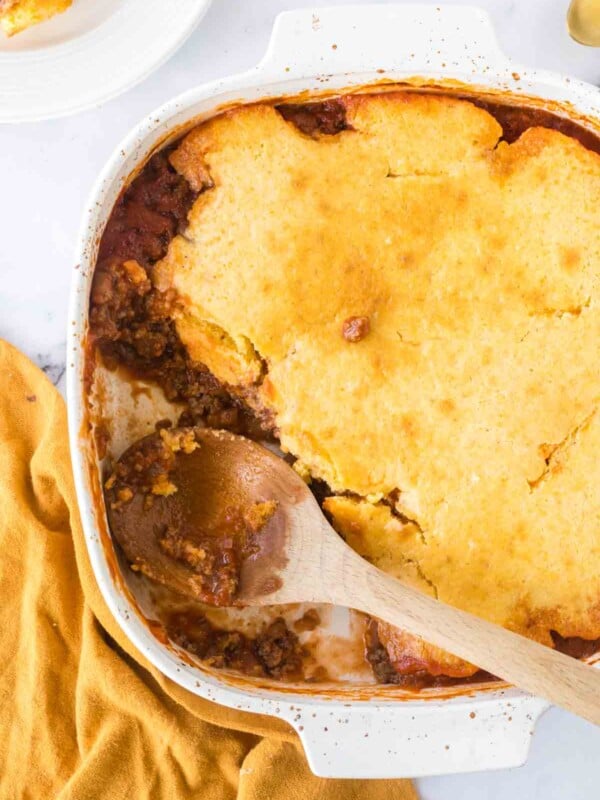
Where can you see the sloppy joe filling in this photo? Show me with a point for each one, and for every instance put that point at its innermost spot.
(275, 652)
(179, 522)
(132, 326)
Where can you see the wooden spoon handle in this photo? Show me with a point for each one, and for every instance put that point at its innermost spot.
(538, 669)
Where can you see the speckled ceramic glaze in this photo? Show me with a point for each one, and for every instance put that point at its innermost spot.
(344, 733)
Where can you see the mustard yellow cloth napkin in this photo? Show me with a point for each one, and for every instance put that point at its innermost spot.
(82, 714)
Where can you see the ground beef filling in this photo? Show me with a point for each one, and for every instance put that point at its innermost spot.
(130, 320)
(131, 327)
(384, 672)
(173, 525)
(325, 119)
(514, 120)
(275, 652)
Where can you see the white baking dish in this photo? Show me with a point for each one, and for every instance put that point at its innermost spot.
(379, 732)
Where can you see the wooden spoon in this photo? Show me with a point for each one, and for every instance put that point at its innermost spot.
(296, 556)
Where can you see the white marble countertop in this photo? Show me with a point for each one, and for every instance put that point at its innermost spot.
(41, 202)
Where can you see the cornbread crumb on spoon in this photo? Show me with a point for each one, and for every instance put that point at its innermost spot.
(222, 519)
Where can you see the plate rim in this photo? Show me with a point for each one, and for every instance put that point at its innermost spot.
(93, 94)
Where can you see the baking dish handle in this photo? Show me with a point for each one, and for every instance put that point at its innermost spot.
(439, 737)
(381, 38)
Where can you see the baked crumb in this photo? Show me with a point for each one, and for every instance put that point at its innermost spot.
(147, 471)
(163, 487)
(355, 329)
(310, 620)
(135, 272)
(257, 516)
(184, 440)
(176, 546)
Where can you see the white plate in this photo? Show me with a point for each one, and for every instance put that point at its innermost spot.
(90, 53)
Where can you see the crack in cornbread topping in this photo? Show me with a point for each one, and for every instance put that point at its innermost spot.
(479, 300)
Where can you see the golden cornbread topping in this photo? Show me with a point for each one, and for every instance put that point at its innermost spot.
(456, 429)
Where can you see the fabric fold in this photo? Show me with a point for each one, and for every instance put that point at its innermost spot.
(83, 716)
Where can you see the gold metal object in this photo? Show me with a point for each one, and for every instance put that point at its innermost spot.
(583, 21)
